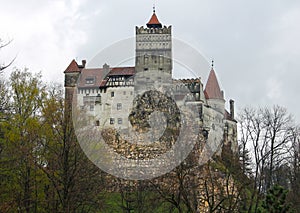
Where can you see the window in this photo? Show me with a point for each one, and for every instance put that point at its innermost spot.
(90, 80)
(119, 106)
(85, 100)
(112, 121)
(98, 99)
(120, 121)
(92, 107)
(112, 94)
(97, 123)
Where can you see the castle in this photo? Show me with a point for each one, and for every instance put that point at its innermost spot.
(107, 93)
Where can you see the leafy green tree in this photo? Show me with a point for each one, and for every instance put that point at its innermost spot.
(75, 184)
(21, 185)
(275, 201)
(42, 167)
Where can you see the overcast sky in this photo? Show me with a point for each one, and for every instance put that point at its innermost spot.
(255, 44)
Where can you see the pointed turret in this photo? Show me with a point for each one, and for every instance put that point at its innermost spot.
(213, 94)
(154, 23)
(72, 73)
(73, 67)
(212, 88)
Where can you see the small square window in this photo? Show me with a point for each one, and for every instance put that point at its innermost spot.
(119, 106)
(90, 80)
(112, 121)
(97, 123)
(92, 107)
(120, 121)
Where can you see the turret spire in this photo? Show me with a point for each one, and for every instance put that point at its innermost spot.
(154, 23)
(212, 88)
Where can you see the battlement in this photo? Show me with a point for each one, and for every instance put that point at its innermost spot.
(164, 30)
(187, 81)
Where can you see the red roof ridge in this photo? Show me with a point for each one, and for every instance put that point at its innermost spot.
(121, 71)
(125, 67)
(212, 88)
(73, 67)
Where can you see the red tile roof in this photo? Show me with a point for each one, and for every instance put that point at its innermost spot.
(98, 75)
(154, 19)
(103, 83)
(154, 23)
(212, 88)
(228, 116)
(73, 67)
(122, 71)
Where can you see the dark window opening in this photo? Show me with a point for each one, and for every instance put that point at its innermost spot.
(119, 106)
(120, 121)
(112, 121)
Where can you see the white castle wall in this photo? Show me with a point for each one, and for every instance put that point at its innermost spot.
(116, 104)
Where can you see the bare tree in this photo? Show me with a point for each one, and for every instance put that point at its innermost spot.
(179, 188)
(267, 134)
(294, 173)
(4, 101)
(3, 66)
(220, 191)
(278, 125)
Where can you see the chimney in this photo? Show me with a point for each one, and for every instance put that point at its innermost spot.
(105, 70)
(231, 108)
(83, 63)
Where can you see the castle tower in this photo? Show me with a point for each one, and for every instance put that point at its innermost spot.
(72, 74)
(153, 47)
(213, 94)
